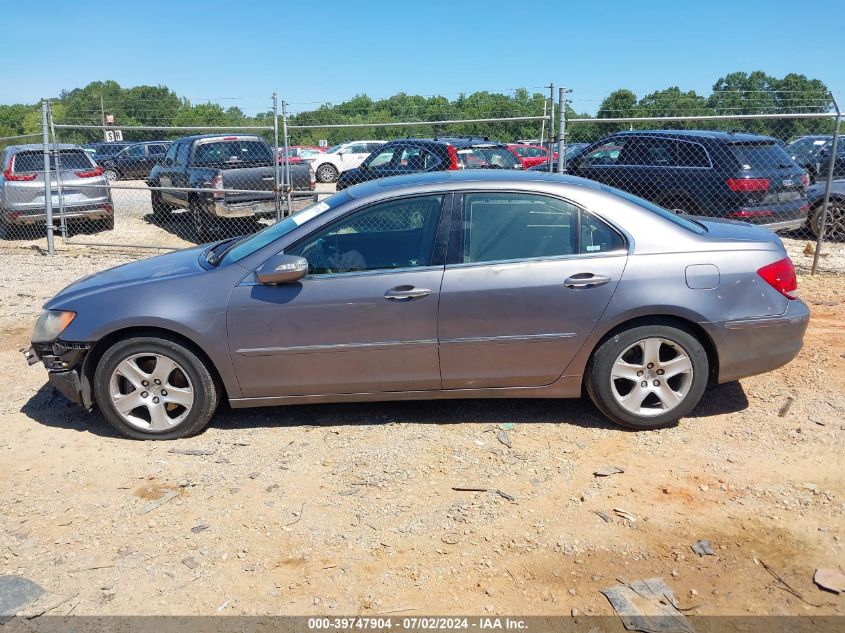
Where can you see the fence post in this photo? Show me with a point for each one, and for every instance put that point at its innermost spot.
(286, 140)
(828, 181)
(561, 131)
(48, 192)
(62, 219)
(551, 121)
(276, 157)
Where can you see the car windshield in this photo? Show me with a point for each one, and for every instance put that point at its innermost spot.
(334, 148)
(680, 220)
(71, 159)
(248, 245)
(804, 149)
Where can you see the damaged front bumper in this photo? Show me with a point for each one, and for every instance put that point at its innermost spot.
(64, 361)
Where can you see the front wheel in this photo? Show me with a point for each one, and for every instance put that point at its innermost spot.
(153, 388)
(648, 376)
(111, 174)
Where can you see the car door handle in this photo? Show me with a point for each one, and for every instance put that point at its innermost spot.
(586, 280)
(406, 293)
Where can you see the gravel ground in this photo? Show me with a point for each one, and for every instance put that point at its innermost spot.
(350, 508)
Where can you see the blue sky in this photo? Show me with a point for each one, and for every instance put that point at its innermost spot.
(239, 52)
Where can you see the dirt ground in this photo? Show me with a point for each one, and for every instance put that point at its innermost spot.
(338, 509)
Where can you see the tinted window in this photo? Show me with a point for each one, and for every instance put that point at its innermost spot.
(605, 154)
(136, 151)
(648, 152)
(756, 155)
(394, 234)
(530, 152)
(804, 149)
(383, 158)
(417, 159)
(691, 155)
(232, 153)
(156, 149)
(109, 149)
(505, 226)
(68, 159)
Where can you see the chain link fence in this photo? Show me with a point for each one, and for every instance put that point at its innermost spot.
(165, 187)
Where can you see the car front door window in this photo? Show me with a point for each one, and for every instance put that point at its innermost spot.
(390, 235)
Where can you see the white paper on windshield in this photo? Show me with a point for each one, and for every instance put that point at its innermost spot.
(311, 212)
(819, 142)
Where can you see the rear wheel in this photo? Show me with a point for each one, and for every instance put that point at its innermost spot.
(648, 376)
(205, 225)
(154, 388)
(326, 173)
(111, 174)
(834, 225)
(160, 209)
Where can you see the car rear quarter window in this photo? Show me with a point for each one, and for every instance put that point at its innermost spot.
(481, 157)
(68, 159)
(760, 155)
(605, 154)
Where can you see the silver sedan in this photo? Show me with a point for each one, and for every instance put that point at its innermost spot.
(447, 285)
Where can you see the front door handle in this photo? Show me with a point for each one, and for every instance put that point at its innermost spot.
(406, 293)
(582, 281)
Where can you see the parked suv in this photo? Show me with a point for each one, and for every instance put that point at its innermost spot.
(719, 174)
(334, 161)
(411, 155)
(242, 162)
(22, 187)
(133, 161)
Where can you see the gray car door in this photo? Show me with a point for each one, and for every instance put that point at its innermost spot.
(523, 288)
(363, 320)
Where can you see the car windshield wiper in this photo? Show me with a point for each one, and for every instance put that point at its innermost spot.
(213, 258)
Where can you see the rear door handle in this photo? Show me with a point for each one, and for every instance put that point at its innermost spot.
(406, 293)
(581, 281)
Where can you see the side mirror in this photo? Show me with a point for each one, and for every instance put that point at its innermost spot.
(282, 269)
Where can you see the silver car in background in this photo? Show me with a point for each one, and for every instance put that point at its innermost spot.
(22, 190)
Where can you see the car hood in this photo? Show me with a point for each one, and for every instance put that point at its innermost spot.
(176, 264)
(815, 192)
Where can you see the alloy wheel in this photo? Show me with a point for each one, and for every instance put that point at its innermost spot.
(651, 377)
(151, 392)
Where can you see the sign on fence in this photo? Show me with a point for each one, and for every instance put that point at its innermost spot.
(114, 136)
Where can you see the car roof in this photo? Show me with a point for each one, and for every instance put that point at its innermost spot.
(463, 177)
(716, 135)
(199, 137)
(455, 141)
(39, 147)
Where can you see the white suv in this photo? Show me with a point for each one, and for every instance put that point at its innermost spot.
(328, 165)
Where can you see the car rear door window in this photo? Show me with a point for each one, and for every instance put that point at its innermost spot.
(387, 235)
(647, 152)
(136, 151)
(508, 226)
(383, 158)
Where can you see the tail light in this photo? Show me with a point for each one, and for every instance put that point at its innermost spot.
(453, 158)
(108, 208)
(91, 173)
(750, 213)
(748, 184)
(780, 275)
(804, 209)
(805, 179)
(8, 175)
(217, 183)
(312, 178)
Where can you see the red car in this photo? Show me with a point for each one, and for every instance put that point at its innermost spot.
(300, 153)
(529, 155)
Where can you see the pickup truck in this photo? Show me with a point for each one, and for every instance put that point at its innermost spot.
(242, 162)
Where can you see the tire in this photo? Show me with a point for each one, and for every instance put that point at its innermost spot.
(160, 209)
(326, 173)
(106, 224)
(664, 401)
(834, 223)
(198, 393)
(111, 174)
(204, 223)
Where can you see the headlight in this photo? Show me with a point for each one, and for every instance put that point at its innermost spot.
(50, 325)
